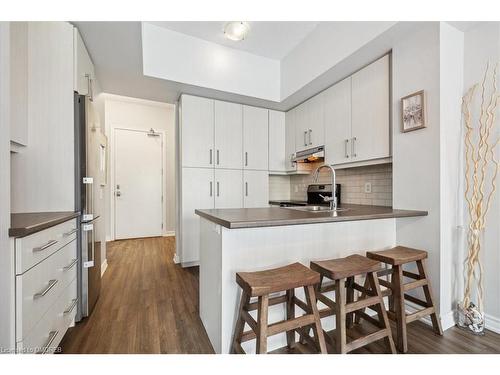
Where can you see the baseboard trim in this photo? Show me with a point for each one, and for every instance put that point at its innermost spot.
(169, 234)
(492, 323)
(104, 267)
(176, 259)
(108, 239)
(189, 264)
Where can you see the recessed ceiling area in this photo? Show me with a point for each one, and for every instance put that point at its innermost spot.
(269, 39)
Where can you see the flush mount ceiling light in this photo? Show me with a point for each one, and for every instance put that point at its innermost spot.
(236, 30)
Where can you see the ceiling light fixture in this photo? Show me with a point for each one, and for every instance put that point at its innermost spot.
(236, 30)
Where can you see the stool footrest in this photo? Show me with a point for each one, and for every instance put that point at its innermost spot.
(419, 314)
(362, 303)
(272, 301)
(416, 301)
(414, 284)
(412, 275)
(375, 336)
(369, 319)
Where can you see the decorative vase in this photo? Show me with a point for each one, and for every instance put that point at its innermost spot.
(471, 319)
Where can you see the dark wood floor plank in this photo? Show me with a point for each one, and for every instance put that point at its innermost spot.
(148, 304)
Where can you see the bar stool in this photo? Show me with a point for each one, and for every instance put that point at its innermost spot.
(397, 257)
(263, 283)
(343, 271)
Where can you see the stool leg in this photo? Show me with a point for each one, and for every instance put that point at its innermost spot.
(436, 321)
(357, 317)
(381, 313)
(317, 329)
(290, 314)
(340, 327)
(263, 305)
(240, 324)
(399, 305)
(349, 299)
(391, 296)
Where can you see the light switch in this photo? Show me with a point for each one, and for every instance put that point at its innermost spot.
(368, 187)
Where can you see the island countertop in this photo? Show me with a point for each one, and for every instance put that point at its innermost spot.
(237, 218)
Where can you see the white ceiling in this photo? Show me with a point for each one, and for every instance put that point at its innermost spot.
(269, 39)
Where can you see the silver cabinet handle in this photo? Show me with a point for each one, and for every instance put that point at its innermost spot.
(246, 189)
(310, 137)
(217, 157)
(71, 265)
(49, 286)
(353, 147)
(211, 193)
(52, 336)
(305, 135)
(71, 307)
(217, 188)
(70, 232)
(246, 159)
(46, 246)
(345, 148)
(210, 157)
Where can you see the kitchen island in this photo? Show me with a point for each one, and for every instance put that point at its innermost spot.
(253, 239)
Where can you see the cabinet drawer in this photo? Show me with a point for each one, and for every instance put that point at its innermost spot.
(32, 249)
(48, 332)
(39, 288)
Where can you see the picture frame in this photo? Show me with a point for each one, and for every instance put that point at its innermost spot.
(413, 112)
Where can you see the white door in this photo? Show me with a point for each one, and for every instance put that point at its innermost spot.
(197, 131)
(338, 123)
(370, 111)
(277, 141)
(255, 189)
(228, 188)
(138, 184)
(228, 135)
(255, 138)
(198, 192)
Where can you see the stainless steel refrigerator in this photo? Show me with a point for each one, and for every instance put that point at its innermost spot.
(90, 175)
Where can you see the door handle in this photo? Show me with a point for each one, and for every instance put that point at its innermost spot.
(71, 265)
(246, 159)
(305, 136)
(71, 307)
(346, 144)
(217, 157)
(210, 157)
(46, 246)
(353, 147)
(70, 232)
(211, 193)
(217, 188)
(46, 347)
(310, 136)
(49, 286)
(246, 189)
(118, 193)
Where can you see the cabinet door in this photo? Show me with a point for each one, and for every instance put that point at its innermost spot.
(277, 141)
(84, 68)
(370, 111)
(228, 135)
(314, 114)
(228, 188)
(197, 131)
(338, 123)
(19, 82)
(197, 192)
(290, 140)
(255, 138)
(255, 189)
(301, 128)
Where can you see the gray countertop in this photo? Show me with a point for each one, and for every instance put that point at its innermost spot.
(235, 218)
(23, 224)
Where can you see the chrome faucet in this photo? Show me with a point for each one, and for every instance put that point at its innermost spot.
(333, 199)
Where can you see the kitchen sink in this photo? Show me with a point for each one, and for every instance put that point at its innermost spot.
(316, 209)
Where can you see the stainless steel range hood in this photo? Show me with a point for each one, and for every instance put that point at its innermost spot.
(310, 155)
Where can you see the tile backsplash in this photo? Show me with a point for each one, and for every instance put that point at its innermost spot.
(353, 182)
(279, 187)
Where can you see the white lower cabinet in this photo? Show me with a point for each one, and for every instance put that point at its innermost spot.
(46, 293)
(255, 189)
(229, 188)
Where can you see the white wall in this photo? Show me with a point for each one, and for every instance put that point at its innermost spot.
(181, 58)
(327, 45)
(482, 44)
(120, 111)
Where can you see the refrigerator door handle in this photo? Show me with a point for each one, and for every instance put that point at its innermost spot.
(89, 210)
(89, 228)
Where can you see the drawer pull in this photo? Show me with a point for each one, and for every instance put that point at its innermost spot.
(46, 347)
(46, 246)
(71, 307)
(50, 285)
(70, 232)
(71, 265)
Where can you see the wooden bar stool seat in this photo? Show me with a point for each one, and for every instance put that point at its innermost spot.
(397, 289)
(342, 272)
(261, 284)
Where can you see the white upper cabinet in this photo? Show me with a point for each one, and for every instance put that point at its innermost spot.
(255, 138)
(277, 141)
(228, 135)
(84, 68)
(290, 146)
(309, 123)
(255, 189)
(228, 188)
(19, 83)
(338, 123)
(370, 112)
(197, 131)
(301, 127)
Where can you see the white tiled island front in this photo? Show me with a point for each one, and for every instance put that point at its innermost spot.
(253, 239)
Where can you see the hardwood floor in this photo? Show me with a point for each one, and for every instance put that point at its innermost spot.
(150, 305)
